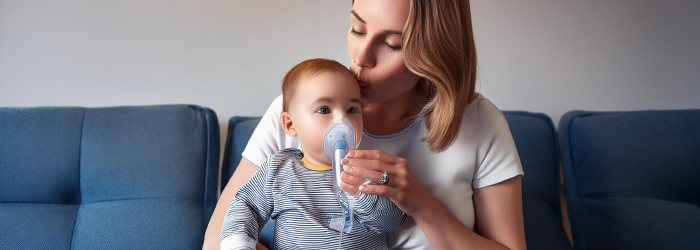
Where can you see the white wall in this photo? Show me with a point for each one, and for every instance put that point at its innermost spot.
(536, 55)
(555, 56)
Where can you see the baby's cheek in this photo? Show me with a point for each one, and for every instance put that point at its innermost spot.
(313, 145)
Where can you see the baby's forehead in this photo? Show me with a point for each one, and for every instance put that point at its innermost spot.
(326, 79)
(330, 86)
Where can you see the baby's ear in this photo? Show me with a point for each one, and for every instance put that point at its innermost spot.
(288, 124)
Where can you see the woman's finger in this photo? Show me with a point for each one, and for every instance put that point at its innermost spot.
(352, 180)
(370, 164)
(373, 155)
(382, 190)
(352, 189)
(363, 173)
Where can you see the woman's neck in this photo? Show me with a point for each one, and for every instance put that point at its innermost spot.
(392, 116)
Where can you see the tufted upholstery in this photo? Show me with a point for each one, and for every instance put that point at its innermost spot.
(535, 139)
(107, 178)
(633, 178)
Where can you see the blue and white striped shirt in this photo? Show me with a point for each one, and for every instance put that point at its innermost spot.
(303, 203)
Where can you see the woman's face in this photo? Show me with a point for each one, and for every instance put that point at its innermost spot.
(374, 45)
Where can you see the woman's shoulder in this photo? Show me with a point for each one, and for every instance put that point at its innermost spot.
(483, 114)
(482, 124)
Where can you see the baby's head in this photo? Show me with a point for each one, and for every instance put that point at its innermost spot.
(316, 93)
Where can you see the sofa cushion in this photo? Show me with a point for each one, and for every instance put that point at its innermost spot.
(538, 148)
(633, 178)
(107, 178)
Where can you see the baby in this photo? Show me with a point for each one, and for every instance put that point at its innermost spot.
(296, 188)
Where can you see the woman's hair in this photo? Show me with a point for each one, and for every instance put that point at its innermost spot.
(438, 44)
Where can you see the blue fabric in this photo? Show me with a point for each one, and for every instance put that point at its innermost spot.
(36, 225)
(537, 145)
(140, 224)
(538, 148)
(107, 178)
(240, 129)
(633, 178)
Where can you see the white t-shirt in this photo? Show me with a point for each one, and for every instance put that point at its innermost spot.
(483, 154)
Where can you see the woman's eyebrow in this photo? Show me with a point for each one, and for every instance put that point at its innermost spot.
(393, 32)
(357, 16)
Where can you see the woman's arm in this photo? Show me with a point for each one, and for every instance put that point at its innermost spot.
(243, 172)
(499, 220)
(498, 207)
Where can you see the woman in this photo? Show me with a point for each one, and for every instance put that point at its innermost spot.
(448, 152)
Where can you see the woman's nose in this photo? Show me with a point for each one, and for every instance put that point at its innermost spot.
(365, 56)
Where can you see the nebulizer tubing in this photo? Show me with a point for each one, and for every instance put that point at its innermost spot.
(339, 139)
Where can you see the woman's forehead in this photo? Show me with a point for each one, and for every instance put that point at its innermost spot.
(382, 14)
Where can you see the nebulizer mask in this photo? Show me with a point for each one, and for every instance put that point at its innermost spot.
(339, 139)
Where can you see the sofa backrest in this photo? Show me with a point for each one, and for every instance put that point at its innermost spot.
(538, 148)
(107, 178)
(632, 178)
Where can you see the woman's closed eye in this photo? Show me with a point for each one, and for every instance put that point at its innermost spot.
(388, 46)
(393, 48)
(323, 110)
(354, 32)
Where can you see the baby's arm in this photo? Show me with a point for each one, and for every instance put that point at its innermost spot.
(378, 213)
(248, 212)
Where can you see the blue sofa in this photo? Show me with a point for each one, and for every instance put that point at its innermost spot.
(536, 140)
(146, 177)
(632, 178)
(107, 178)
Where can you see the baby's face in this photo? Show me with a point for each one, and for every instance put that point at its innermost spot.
(319, 101)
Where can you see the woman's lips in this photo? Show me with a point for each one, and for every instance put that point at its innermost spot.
(361, 83)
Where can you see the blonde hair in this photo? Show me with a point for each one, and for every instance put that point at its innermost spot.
(438, 45)
(306, 69)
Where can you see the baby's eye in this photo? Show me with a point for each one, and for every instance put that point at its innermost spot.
(352, 110)
(323, 110)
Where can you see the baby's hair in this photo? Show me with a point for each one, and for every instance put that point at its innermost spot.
(304, 69)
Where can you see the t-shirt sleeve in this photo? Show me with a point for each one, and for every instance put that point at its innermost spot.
(269, 137)
(497, 157)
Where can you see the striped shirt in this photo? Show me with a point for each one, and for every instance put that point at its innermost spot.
(303, 203)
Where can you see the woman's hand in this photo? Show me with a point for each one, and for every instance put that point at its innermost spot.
(403, 188)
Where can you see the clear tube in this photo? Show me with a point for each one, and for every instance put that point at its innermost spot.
(339, 139)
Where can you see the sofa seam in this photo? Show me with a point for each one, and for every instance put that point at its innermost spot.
(570, 207)
(130, 199)
(225, 162)
(207, 162)
(695, 152)
(80, 191)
